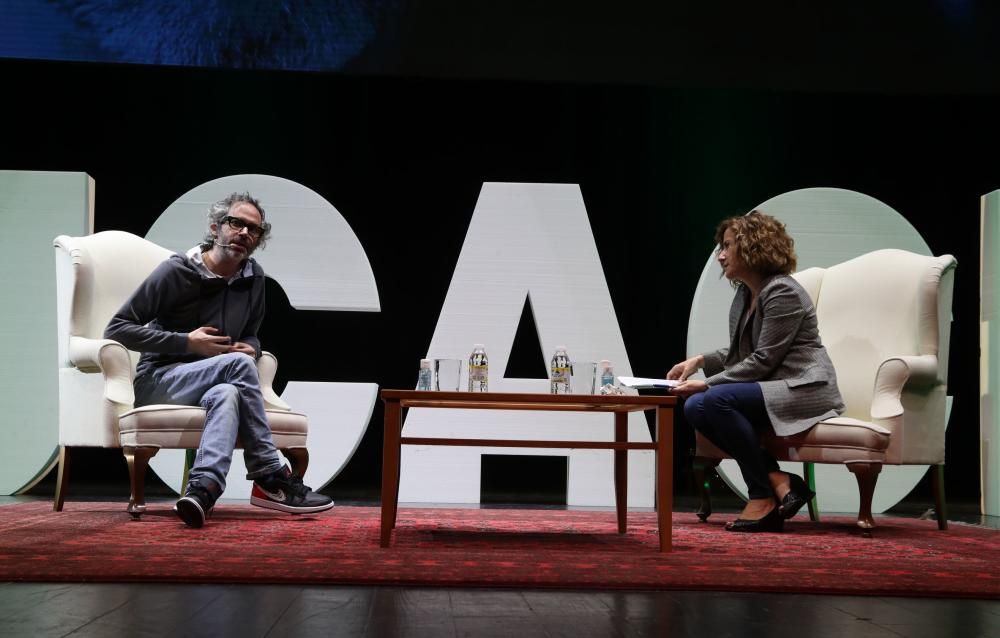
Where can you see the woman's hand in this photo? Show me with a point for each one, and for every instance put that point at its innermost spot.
(686, 389)
(686, 368)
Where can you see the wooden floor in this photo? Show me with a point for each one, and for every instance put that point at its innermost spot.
(41, 610)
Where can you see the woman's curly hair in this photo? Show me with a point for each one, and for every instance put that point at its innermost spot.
(762, 243)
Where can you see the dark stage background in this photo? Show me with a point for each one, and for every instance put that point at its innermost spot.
(664, 139)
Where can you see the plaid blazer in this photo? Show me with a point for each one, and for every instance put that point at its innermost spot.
(781, 350)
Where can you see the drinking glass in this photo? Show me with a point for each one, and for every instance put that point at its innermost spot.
(582, 377)
(447, 374)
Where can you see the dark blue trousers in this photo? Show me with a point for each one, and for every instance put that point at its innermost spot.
(732, 416)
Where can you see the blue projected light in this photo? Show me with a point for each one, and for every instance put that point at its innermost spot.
(957, 10)
(263, 34)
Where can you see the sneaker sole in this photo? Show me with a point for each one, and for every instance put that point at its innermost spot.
(289, 509)
(190, 512)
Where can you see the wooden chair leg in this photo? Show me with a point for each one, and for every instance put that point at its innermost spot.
(189, 457)
(866, 475)
(937, 486)
(299, 459)
(702, 466)
(138, 461)
(809, 474)
(62, 478)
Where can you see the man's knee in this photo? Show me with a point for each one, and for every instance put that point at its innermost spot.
(220, 394)
(241, 365)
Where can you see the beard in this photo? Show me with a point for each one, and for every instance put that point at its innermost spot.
(238, 250)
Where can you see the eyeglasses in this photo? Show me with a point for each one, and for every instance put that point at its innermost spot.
(238, 224)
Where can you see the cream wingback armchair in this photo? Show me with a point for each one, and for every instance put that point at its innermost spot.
(94, 276)
(885, 318)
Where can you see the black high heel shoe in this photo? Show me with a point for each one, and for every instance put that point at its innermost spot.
(798, 495)
(770, 522)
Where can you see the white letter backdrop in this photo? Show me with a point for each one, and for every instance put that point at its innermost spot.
(35, 206)
(989, 358)
(525, 239)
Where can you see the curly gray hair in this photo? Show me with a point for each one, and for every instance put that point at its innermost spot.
(221, 208)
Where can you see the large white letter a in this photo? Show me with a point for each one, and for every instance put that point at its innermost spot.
(525, 239)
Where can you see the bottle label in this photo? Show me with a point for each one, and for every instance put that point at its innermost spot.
(477, 372)
(560, 374)
(424, 379)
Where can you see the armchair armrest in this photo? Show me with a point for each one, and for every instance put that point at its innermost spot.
(902, 374)
(267, 367)
(111, 359)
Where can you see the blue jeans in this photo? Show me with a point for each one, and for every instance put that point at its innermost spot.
(731, 416)
(228, 388)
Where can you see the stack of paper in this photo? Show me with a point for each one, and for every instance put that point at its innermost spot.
(641, 383)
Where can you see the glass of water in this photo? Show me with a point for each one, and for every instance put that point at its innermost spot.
(583, 376)
(447, 374)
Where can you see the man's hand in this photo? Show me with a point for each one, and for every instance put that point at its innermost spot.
(206, 342)
(686, 368)
(245, 348)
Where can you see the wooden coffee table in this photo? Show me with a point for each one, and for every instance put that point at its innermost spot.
(620, 406)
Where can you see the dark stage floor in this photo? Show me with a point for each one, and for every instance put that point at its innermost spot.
(39, 610)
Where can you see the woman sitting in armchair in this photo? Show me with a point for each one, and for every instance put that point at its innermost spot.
(775, 373)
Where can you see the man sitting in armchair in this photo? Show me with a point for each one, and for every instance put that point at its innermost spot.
(195, 321)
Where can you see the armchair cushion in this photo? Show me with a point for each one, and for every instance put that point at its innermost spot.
(180, 426)
(837, 440)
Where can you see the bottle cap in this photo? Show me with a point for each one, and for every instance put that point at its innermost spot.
(605, 363)
(563, 348)
(478, 346)
(425, 363)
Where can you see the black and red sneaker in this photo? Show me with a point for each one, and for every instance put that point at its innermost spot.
(195, 506)
(285, 492)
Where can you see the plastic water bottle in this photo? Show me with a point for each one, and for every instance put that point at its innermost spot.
(425, 377)
(479, 369)
(560, 371)
(607, 373)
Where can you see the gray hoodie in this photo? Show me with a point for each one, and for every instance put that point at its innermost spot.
(176, 299)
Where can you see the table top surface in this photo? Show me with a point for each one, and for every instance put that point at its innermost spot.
(424, 398)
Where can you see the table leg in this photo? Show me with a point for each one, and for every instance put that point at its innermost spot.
(665, 475)
(621, 471)
(391, 427)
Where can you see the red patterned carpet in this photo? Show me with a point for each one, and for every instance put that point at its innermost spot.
(495, 548)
